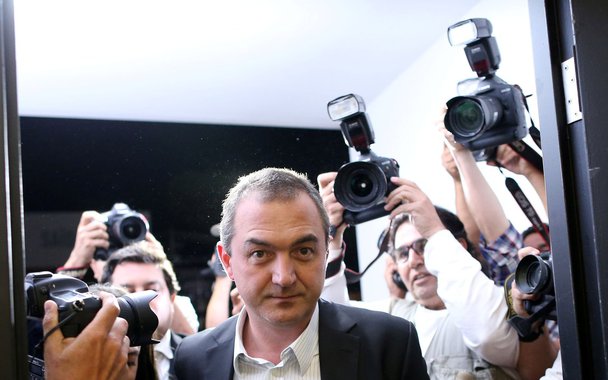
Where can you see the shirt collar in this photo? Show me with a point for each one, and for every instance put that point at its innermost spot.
(164, 346)
(305, 347)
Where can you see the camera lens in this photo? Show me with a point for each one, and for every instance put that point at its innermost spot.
(533, 275)
(135, 309)
(469, 116)
(130, 228)
(360, 185)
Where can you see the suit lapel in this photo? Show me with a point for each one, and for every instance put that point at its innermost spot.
(221, 355)
(338, 349)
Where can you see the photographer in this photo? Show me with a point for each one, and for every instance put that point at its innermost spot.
(91, 235)
(459, 313)
(99, 352)
(136, 268)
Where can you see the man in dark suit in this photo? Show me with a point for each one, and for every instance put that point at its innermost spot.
(274, 238)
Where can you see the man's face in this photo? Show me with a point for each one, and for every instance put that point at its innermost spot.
(536, 240)
(277, 260)
(137, 277)
(421, 284)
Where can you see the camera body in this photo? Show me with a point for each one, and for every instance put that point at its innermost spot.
(492, 115)
(125, 226)
(361, 186)
(74, 301)
(488, 111)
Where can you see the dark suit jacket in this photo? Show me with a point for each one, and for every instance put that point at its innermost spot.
(354, 343)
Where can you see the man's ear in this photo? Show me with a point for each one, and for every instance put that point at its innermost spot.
(224, 259)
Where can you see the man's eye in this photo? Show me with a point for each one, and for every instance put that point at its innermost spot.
(258, 254)
(306, 251)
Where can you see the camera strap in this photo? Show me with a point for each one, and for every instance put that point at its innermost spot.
(353, 276)
(527, 153)
(526, 207)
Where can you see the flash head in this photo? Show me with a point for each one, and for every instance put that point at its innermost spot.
(467, 31)
(345, 106)
(481, 48)
(356, 127)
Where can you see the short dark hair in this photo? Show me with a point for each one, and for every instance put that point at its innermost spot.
(271, 184)
(531, 230)
(139, 253)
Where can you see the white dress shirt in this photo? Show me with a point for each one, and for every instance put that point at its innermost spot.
(163, 356)
(299, 360)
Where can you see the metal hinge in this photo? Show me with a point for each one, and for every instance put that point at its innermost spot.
(573, 108)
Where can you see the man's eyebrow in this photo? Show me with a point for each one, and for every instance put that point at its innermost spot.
(255, 241)
(304, 239)
(310, 238)
(149, 283)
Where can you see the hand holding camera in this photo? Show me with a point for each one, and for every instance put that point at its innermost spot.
(77, 307)
(99, 352)
(532, 295)
(408, 198)
(90, 235)
(335, 209)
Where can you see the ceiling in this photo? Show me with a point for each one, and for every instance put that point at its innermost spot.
(265, 62)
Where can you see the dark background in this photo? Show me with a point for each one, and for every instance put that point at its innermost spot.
(175, 173)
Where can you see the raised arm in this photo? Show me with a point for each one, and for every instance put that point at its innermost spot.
(335, 288)
(462, 209)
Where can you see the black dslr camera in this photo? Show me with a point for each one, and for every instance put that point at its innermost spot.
(534, 275)
(489, 112)
(125, 226)
(361, 186)
(77, 306)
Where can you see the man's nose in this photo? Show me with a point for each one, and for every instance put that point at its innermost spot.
(415, 259)
(283, 271)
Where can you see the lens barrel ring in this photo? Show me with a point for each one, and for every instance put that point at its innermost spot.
(360, 185)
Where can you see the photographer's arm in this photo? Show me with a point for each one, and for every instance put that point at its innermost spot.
(462, 209)
(218, 308)
(99, 352)
(480, 198)
(335, 288)
(513, 162)
(499, 239)
(91, 234)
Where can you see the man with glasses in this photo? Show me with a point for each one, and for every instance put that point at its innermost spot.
(458, 311)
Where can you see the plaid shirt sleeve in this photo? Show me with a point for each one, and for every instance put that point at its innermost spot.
(501, 254)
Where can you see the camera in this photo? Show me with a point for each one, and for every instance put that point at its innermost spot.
(125, 226)
(534, 275)
(77, 306)
(488, 111)
(362, 185)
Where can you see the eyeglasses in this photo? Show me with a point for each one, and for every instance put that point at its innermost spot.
(402, 254)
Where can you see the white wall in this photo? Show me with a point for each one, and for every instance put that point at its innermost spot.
(403, 119)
